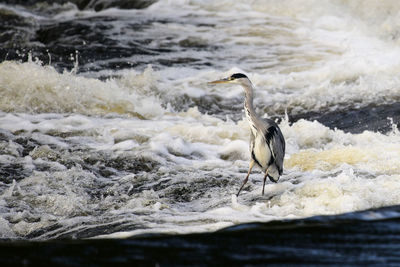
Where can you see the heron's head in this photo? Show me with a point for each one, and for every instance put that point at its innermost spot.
(238, 78)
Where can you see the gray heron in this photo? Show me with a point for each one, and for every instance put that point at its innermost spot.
(267, 144)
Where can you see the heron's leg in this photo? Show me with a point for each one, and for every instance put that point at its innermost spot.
(251, 165)
(265, 178)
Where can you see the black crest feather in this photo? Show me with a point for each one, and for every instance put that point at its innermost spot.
(238, 75)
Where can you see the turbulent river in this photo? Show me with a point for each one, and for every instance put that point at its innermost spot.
(108, 128)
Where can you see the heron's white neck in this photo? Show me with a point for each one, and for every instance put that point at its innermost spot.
(251, 114)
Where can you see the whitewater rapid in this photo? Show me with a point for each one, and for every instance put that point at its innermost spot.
(97, 151)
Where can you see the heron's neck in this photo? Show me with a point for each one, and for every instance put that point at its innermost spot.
(248, 104)
(251, 114)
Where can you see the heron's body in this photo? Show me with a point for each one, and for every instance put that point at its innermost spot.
(267, 144)
(260, 151)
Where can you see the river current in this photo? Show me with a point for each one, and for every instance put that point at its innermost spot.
(108, 127)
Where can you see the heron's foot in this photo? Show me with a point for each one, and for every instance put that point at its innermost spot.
(265, 178)
(244, 182)
(240, 190)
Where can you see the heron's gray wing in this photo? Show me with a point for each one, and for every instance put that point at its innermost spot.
(275, 141)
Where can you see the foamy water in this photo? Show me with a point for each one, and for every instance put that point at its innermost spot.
(89, 153)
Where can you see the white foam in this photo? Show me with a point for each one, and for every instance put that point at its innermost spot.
(307, 55)
(326, 172)
(304, 56)
(30, 87)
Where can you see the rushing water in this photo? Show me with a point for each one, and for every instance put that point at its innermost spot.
(109, 129)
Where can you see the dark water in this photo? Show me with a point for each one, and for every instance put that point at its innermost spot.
(324, 240)
(97, 40)
(373, 118)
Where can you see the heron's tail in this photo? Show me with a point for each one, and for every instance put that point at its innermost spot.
(273, 174)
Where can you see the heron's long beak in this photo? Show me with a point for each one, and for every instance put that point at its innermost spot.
(226, 80)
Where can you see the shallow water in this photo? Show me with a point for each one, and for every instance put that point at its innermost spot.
(109, 129)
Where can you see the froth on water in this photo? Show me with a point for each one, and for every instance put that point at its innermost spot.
(118, 149)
